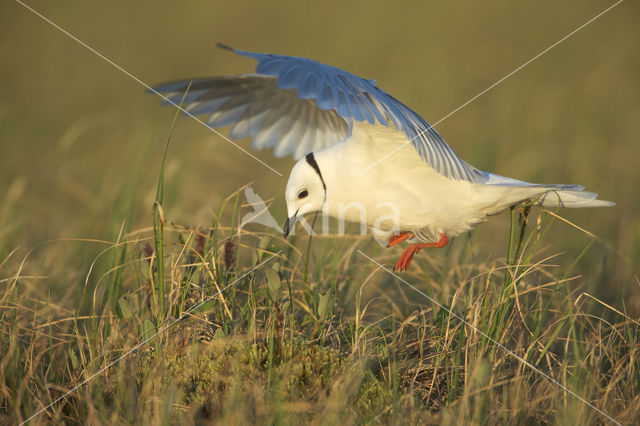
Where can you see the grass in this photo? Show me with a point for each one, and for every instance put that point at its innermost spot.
(176, 324)
(276, 348)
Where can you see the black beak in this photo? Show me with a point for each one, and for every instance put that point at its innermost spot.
(288, 224)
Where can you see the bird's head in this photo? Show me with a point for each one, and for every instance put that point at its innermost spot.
(306, 191)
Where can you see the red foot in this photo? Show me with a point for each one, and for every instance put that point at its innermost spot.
(398, 238)
(407, 256)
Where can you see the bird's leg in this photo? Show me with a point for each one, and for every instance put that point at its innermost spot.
(407, 256)
(398, 238)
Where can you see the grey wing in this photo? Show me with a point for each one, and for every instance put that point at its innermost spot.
(258, 109)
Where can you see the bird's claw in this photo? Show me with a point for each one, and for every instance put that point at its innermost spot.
(407, 255)
(406, 258)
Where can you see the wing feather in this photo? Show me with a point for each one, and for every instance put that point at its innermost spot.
(255, 106)
(297, 105)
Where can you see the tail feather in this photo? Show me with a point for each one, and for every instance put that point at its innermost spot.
(572, 198)
(549, 195)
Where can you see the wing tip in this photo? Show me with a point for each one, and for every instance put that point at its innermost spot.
(225, 47)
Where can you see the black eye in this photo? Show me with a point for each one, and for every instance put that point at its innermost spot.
(302, 194)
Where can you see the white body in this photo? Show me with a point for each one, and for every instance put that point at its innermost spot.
(403, 194)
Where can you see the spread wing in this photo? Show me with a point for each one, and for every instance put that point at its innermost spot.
(298, 105)
(257, 108)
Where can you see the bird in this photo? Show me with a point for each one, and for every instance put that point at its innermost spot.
(361, 154)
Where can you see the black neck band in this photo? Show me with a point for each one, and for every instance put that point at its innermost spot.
(312, 162)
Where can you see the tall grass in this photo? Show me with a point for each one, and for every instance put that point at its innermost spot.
(317, 334)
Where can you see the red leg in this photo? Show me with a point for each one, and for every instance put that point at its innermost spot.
(398, 238)
(407, 256)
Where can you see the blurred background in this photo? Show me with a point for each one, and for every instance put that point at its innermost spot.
(81, 142)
